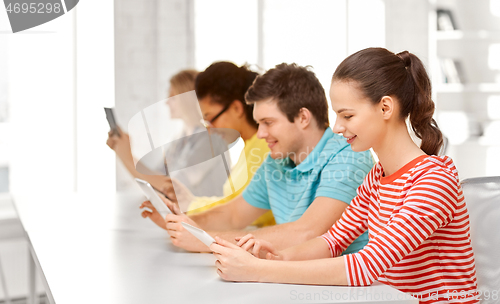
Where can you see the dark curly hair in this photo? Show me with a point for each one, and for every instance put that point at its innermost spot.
(226, 82)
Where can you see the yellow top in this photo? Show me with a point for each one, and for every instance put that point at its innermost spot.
(250, 159)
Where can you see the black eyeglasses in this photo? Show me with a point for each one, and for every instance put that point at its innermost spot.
(210, 122)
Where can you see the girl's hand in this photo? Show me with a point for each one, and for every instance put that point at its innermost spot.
(174, 189)
(173, 206)
(233, 263)
(259, 248)
(153, 215)
(162, 184)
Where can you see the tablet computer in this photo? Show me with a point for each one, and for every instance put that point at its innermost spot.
(200, 234)
(110, 116)
(153, 197)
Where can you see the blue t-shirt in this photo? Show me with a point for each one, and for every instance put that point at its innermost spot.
(331, 170)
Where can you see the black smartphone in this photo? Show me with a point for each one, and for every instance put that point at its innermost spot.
(110, 116)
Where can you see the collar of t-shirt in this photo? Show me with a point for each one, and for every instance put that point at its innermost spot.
(311, 159)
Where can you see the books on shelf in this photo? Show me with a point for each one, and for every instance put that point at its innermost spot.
(451, 71)
(445, 20)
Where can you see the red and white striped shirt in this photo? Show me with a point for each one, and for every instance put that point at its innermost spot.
(418, 226)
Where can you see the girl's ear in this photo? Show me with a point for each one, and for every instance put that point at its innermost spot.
(237, 106)
(387, 107)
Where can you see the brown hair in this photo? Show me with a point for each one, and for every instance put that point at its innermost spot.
(293, 87)
(183, 81)
(379, 73)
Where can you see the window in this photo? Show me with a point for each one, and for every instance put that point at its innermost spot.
(319, 33)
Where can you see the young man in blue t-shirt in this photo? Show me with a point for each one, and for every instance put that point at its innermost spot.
(308, 179)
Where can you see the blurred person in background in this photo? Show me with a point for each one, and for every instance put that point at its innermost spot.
(186, 151)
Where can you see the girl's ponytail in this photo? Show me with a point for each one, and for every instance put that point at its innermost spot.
(422, 107)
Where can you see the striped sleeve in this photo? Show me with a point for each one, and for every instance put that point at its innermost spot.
(353, 222)
(429, 204)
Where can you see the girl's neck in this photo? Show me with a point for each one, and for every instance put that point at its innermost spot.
(396, 149)
(247, 130)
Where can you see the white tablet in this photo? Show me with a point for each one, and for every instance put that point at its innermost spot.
(200, 234)
(153, 197)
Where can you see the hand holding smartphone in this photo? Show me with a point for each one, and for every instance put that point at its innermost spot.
(110, 116)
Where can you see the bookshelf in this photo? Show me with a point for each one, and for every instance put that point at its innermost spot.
(467, 35)
(467, 87)
(464, 65)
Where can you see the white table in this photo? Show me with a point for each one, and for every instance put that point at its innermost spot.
(97, 249)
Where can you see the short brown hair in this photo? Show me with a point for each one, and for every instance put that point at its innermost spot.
(293, 87)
